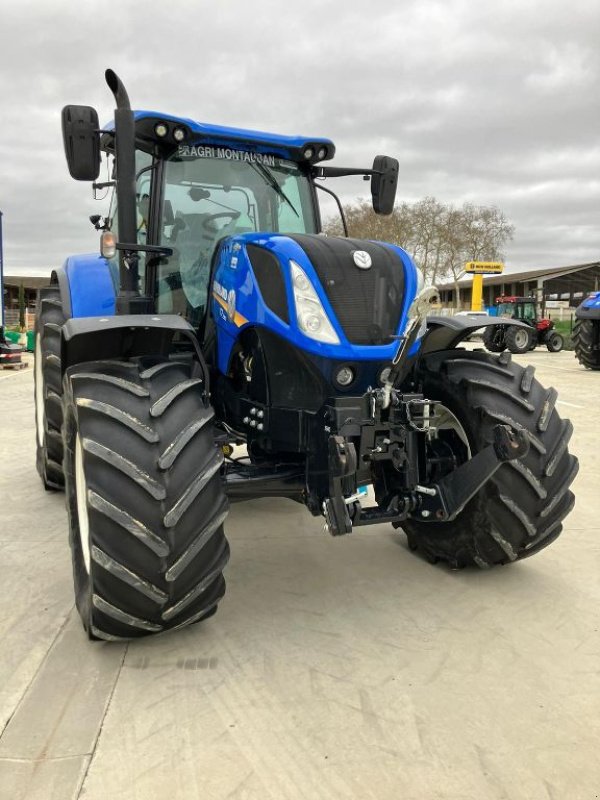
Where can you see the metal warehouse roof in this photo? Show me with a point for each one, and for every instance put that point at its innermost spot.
(520, 276)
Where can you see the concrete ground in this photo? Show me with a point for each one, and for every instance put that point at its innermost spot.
(335, 668)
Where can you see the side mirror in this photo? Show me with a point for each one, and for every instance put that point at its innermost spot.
(82, 142)
(383, 184)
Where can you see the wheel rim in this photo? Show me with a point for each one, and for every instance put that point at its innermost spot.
(444, 420)
(521, 339)
(40, 421)
(83, 523)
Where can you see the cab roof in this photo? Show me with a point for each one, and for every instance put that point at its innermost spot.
(295, 148)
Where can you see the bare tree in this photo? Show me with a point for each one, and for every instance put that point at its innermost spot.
(439, 237)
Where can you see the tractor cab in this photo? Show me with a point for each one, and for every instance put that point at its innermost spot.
(181, 187)
(521, 308)
(210, 193)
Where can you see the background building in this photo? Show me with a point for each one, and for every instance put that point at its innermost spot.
(558, 286)
(11, 297)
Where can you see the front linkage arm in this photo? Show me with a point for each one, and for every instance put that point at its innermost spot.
(445, 500)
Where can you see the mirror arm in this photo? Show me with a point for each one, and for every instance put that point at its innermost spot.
(156, 250)
(340, 172)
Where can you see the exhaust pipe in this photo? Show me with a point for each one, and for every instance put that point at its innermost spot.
(126, 203)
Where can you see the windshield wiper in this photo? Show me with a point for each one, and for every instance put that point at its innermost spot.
(271, 180)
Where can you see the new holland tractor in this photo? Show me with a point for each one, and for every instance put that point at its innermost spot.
(221, 348)
(586, 332)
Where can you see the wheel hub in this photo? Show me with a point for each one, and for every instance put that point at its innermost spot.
(521, 338)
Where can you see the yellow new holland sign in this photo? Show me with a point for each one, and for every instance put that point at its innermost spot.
(484, 267)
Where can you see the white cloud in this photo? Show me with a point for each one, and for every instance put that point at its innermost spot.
(492, 104)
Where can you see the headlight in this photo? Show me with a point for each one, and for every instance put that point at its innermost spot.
(310, 314)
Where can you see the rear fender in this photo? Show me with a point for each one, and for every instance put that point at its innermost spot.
(445, 333)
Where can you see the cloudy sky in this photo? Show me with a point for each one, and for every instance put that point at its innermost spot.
(497, 103)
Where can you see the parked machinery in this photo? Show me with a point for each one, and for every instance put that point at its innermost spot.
(537, 331)
(586, 332)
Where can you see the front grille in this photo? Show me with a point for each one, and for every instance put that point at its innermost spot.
(367, 302)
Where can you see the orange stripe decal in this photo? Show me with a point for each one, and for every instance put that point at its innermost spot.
(238, 319)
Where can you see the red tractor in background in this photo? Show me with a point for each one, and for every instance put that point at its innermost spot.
(519, 340)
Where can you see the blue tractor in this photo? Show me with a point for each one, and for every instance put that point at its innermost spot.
(221, 348)
(586, 332)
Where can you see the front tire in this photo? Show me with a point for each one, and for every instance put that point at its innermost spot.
(555, 342)
(145, 498)
(519, 511)
(586, 338)
(48, 387)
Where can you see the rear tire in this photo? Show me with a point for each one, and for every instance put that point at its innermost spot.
(48, 387)
(519, 340)
(145, 497)
(519, 511)
(586, 338)
(493, 339)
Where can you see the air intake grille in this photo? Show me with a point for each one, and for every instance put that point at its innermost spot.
(367, 302)
(268, 273)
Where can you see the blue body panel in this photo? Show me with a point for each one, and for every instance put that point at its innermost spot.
(590, 308)
(592, 302)
(234, 273)
(92, 285)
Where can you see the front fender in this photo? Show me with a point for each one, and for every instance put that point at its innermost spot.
(125, 336)
(590, 308)
(88, 285)
(445, 333)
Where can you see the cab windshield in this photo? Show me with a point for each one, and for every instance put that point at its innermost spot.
(525, 311)
(213, 192)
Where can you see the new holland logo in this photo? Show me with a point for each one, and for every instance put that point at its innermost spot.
(362, 259)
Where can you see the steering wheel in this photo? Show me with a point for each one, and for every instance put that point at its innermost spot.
(207, 224)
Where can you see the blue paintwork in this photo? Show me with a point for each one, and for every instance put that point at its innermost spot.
(239, 138)
(92, 282)
(593, 301)
(590, 308)
(249, 302)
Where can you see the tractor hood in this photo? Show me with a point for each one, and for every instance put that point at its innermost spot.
(360, 292)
